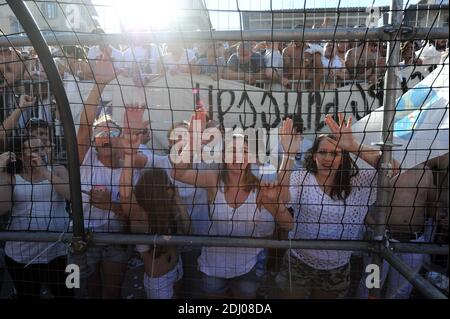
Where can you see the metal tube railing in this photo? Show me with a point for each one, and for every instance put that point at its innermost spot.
(329, 34)
(199, 241)
(426, 288)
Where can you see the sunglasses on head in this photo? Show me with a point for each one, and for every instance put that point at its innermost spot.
(36, 122)
(111, 133)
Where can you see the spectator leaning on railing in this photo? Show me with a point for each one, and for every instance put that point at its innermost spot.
(36, 195)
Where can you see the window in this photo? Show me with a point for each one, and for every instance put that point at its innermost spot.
(49, 10)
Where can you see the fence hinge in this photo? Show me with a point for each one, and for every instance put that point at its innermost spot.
(79, 244)
(404, 29)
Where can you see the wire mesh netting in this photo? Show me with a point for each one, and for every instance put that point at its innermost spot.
(226, 149)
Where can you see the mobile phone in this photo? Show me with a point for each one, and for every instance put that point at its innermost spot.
(298, 123)
(266, 173)
(14, 167)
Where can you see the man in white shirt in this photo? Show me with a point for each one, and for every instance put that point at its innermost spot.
(274, 67)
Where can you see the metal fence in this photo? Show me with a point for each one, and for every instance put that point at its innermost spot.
(383, 91)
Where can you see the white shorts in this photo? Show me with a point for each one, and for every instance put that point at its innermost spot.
(162, 287)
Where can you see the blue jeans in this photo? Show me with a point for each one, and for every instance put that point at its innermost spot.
(244, 286)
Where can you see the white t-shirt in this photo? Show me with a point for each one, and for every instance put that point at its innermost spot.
(36, 207)
(116, 55)
(317, 216)
(274, 59)
(94, 174)
(335, 63)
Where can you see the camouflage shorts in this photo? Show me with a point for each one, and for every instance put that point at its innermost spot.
(303, 276)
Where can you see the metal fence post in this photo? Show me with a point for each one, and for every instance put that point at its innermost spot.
(36, 38)
(391, 85)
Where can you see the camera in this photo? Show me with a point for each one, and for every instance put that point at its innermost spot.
(15, 167)
(297, 122)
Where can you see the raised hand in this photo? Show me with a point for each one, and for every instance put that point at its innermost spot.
(270, 192)
(100, 198)
(199, 117)
(289, 140)
(38, 164)
(104, 71)
(133, 117)
(26, 101)
(342, 132)
(6, 158)
(130, 141)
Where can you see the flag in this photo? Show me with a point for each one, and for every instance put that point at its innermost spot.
(421, 121)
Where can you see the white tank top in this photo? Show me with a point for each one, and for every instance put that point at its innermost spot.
(36, 207)
(94, 174)
(230, 262)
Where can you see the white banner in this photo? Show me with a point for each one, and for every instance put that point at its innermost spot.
(170, 99)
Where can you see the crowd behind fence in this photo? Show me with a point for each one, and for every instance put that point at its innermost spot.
(161, 153)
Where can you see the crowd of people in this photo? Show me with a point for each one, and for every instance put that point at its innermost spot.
(129, 188)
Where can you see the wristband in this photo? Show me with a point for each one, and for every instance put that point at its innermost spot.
(142, 248)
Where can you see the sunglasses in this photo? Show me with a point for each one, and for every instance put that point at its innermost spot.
(36, 122)
(109, 133)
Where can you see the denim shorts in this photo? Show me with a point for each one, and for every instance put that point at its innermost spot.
(109, 253)
(245, 285)
(162, 287)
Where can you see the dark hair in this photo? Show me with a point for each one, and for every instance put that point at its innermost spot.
(34, 123)
(250, 180)
(155, 193)
(347, 169)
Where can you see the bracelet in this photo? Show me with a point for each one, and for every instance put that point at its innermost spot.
(130, 154)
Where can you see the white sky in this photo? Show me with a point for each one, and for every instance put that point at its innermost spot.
(224, 14)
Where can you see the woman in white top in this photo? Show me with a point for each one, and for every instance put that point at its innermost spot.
(36, 196)
(234, 198)
(153, 208)
(101, 157)
(331, 198)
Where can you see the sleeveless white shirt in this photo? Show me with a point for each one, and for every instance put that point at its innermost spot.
(230, 262)
(36, 207)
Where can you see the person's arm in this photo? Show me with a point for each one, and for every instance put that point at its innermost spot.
(432, 200)
(345, 140)
(59, 177)
(104, 73)
(102, 200)
(133, 122)
(5, 183)
(137, 217)
(287, 61)
(10, 122)
(183, 171)
(291, 145)
(317, 71)
(270, 198)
